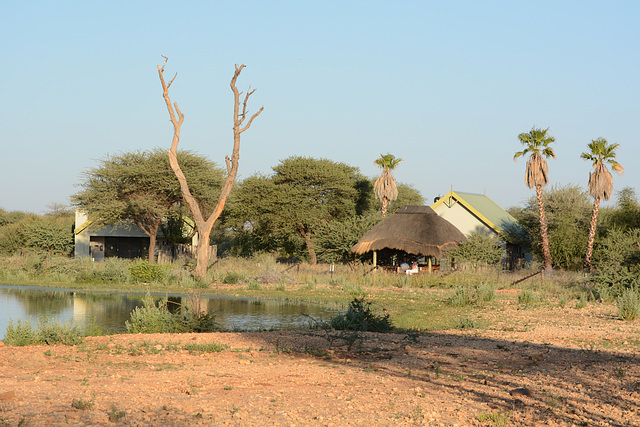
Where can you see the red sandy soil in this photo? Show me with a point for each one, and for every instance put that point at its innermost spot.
(544, 366)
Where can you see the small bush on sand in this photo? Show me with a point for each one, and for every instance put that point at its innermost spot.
(152, 318)
(629, 304)
(360, 317)
(472, 295)
(48, 331)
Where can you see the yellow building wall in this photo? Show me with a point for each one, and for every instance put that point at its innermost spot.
(462, 219)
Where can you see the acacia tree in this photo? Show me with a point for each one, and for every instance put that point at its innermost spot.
(567, 210)
(536, 144)
(385, 186)
(139, 187)
(204, 226)
(301, 196)
(600, 183)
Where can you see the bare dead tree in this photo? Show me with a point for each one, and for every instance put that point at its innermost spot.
(204, 226)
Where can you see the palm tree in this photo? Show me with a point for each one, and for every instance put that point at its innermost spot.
(385, 186)
(537, 143)
(600, 183)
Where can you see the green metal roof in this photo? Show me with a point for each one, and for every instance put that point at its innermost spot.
(485, 210)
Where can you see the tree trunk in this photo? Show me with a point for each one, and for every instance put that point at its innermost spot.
(313, 258)
(204, 252)
(385, 203)
(592, 234)
(543, 230)
(150, 230)
(152, 247)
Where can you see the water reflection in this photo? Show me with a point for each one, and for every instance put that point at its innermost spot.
(112, 310)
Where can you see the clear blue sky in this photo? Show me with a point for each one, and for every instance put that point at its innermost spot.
(446, 85)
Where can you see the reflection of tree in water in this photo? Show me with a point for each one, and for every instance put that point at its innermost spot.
(248, 314)
(36, 301)
(249, 306)
(112, 310)
(107, 310)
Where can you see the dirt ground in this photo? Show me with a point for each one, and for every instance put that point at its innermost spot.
(541, 366)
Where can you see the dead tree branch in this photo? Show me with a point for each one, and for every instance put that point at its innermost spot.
(177, 118)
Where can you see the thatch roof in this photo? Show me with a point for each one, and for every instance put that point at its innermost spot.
(413, 229)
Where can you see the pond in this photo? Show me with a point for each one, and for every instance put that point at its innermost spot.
(111, 310)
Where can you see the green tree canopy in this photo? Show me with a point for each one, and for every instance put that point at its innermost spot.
(626, 213)
(302, 195)
(480, 250)
(140, 187)
(567, 208)
(30, 232)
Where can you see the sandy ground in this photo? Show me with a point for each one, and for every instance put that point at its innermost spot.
(541, 367)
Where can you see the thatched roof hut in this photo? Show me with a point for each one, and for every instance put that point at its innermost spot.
(413, 229)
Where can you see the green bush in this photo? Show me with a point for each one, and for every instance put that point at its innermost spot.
(144, 271)
(359, 317)
(48, 331)
(20, 333)
(472, 295)
(231, 278)
(55, 332)
(112, 270)
(465, 323)
(478, 250)
(152, 318)
(527, 296)
(629, 304)
(254, 286)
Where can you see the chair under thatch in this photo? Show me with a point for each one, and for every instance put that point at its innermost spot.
(412, 229)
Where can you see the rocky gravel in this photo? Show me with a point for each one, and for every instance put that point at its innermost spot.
(567, 369)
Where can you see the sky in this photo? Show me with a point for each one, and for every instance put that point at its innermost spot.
(445, 85)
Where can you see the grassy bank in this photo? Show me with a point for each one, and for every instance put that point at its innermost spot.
(422, 302)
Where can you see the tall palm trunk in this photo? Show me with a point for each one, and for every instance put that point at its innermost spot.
(385, 204)
(543, 230)
(592, 233)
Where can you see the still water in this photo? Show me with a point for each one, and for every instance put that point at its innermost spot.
(112, 310)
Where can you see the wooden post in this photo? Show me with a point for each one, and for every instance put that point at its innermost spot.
(375, 258)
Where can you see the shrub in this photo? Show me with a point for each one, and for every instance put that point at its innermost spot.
(47, 332)
(144, 271)
(152, 318)
(211, 347)
(112, 270)
(465, 323)
(472, 295)
(479, 250)
(82, 404)
(19, 333)
(232, 278)
(629, 304)
(55, 332)
(359, 317)
(254, 286)
(527, 297)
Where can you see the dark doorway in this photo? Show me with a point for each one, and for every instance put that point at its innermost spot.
(127, 247)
